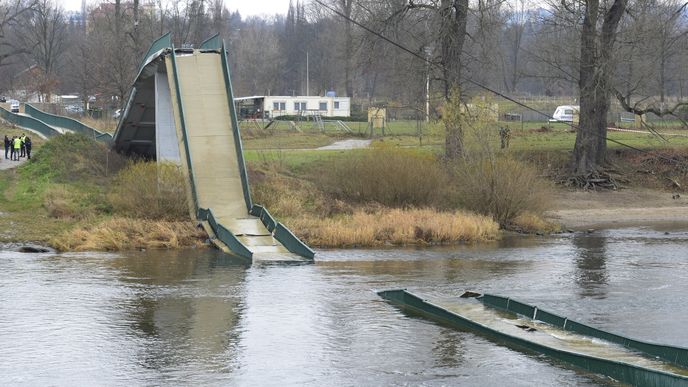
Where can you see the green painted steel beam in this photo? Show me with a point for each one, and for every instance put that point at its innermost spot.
(66, 123)
(30, 123)
(212, 43)
(623, 372)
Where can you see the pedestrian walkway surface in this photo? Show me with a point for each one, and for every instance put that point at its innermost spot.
(9, 164)
(213, 154)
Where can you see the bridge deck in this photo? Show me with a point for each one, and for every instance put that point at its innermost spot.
(213, 155)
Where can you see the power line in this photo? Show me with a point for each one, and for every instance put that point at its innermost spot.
(480, 85)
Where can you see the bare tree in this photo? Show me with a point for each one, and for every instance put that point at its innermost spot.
(12, 14)
(450, 18)
(45, 35)
(652, 48)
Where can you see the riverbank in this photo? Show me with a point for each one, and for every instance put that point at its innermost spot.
(93, 199)
(580, 210)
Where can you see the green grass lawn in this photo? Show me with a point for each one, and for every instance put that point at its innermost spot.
(293, 160)
(528, 140)
(289, 141)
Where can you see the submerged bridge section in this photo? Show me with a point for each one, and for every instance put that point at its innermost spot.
(181, 110)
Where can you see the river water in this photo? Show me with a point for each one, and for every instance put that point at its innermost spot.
(198, 317)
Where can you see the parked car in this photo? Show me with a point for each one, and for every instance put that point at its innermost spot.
(14, 106)
(117, 113)
(3, 99)
(565, 113)
(74, 109)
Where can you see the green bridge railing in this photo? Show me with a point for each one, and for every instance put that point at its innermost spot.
(212, 43)
(282, 233)
(66, 123)
(159, 44)
(28, 123)
(235, 127)
(224, 235)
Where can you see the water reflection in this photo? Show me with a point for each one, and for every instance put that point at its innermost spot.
(591, 264)
(186, 305)
(449, 348)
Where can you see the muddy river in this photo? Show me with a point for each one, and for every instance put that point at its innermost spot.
(201, 318)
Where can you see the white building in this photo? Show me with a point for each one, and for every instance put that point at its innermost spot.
(270, 106)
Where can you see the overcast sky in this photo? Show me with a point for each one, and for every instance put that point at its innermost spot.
(245, 7)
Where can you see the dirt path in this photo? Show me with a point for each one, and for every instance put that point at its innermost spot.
(346, 144)
(627, 207)
(9, 164)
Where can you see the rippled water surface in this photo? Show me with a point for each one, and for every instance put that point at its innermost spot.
(198, 317)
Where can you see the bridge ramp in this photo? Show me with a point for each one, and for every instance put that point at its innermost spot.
(212, 151)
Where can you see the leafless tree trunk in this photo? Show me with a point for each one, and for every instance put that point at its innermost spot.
(453, 19)
(596, 70)
(346, 6)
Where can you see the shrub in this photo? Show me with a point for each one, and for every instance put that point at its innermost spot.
(151, 191)
(503, 188)
(71, 202)
(389, 176)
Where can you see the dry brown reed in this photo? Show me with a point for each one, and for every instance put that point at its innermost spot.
(103, 124)
(395, 226)
(60, 202)
(117, 234)
(285, 196)
(529, 222)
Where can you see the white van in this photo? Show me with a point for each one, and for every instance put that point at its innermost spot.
(565, 113)
(14, 106)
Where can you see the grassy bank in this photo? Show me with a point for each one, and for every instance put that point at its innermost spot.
(388, 195)
(77, 195)
(73, 195)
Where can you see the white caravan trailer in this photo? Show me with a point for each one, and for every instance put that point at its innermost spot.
(565, 113)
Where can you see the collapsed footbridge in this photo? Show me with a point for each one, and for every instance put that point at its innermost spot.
(181, 110)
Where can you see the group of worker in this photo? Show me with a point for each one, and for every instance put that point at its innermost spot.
(18, 147)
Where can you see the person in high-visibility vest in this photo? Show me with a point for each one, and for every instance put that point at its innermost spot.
(23, 148)
(17, 147)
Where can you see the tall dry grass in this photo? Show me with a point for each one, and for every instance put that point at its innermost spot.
(117, 234)
(395, 226)
(150, 190)
(286, 196)
(533, 223)
(62, 203)
(393, 177)
(108, 125)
